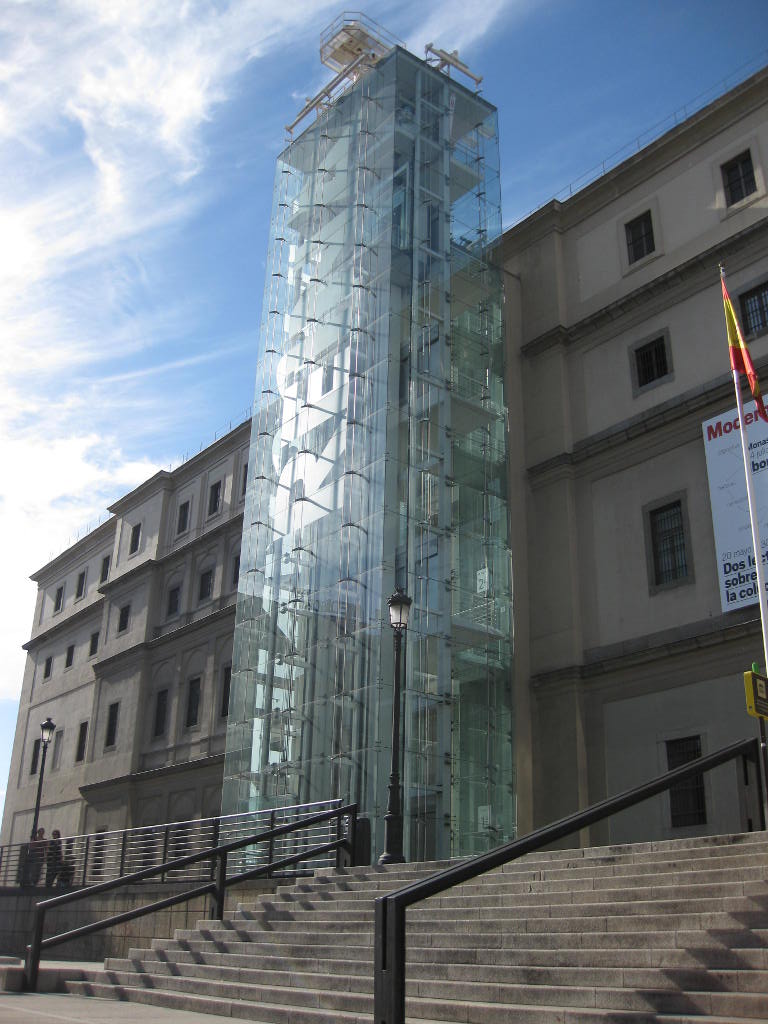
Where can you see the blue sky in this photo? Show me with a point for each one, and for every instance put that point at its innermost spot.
(137, 147)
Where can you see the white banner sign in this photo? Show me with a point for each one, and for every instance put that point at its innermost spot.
(728, 498)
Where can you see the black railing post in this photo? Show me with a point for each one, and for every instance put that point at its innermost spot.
(352, 838)
(215, 842)
(164, 855)
(32, 965)
(271, 847)
(389, 961)
(85, 858)
(123, 846)
(221, 885)
(340, 841)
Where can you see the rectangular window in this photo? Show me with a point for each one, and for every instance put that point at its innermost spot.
(70, 656)
(94, 644)
(58, 743)
(235, 570)
(122, 622)
(104, 569)
(687, 803)
(111, 735)
(640, 241)
(738, 178)
(327, 378)
(161, 712)
(58, 601)
(173, 602)
(47, 667)
(206, 585)
(754, 309)
(214, 498)
(193, 702)
(651, 361)
(82, 736)
(133, 547)
(668, 543)
(182, 523)
(226, 682)
(35, 757)
(244, 481)
(80, 591)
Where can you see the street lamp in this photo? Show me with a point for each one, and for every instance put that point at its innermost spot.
(399, 607)
(47, 729)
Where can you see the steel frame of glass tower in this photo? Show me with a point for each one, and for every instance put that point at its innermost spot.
(378, 458)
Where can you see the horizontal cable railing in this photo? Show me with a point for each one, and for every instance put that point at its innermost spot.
(77, 861)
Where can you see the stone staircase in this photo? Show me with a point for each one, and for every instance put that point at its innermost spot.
(669, 931)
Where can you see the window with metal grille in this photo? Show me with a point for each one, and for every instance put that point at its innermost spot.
(754, 309)
(651, 361)
(193, 702)
(182, 523)
(687, 803)
(82, 736)
(111, 734)
(640, 237)
(104, 569)
(133, 547)
(668, 542)
(35, 757)
(206, 585)
(226, 682)
(94, 646)
(738, 178)
(123, 619)
(214, 498)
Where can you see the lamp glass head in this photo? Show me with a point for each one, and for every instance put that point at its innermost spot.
(399, 608)
(47, 729)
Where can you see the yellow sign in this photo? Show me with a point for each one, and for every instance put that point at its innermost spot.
(756, 687)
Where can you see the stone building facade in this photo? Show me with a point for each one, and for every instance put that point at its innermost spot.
(130, 655)
(625, 661)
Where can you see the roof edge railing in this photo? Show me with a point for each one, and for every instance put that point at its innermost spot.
(390, 933)
(344, 843)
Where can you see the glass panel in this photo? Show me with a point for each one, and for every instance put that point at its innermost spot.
(378, 458)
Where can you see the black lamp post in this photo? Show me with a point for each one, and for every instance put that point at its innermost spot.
(47, 729)
(399, 607)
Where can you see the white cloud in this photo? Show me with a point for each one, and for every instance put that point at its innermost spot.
(103, 112)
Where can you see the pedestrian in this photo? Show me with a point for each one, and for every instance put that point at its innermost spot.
(36, 857)
(53, 858)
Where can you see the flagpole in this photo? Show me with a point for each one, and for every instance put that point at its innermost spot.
(753, 520)
(757, 548)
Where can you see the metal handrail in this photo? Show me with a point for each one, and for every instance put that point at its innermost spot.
(389, 934)
(218, 884)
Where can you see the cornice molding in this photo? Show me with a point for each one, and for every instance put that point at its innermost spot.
(600, 661)
(658, 294)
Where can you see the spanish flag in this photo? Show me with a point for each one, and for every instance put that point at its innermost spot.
(741, 361)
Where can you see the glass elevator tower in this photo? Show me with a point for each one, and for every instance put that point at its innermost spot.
(378, 458)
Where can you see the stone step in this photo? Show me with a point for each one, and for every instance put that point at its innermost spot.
(706, 895)
(663, 932)
(498, 886)
(288, 974)
(418, 1011)
(456, 1000)
(359, 960)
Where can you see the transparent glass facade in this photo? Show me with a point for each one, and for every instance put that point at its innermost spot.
(378, 459)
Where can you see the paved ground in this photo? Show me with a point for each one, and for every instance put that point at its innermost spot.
(59, 1009)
